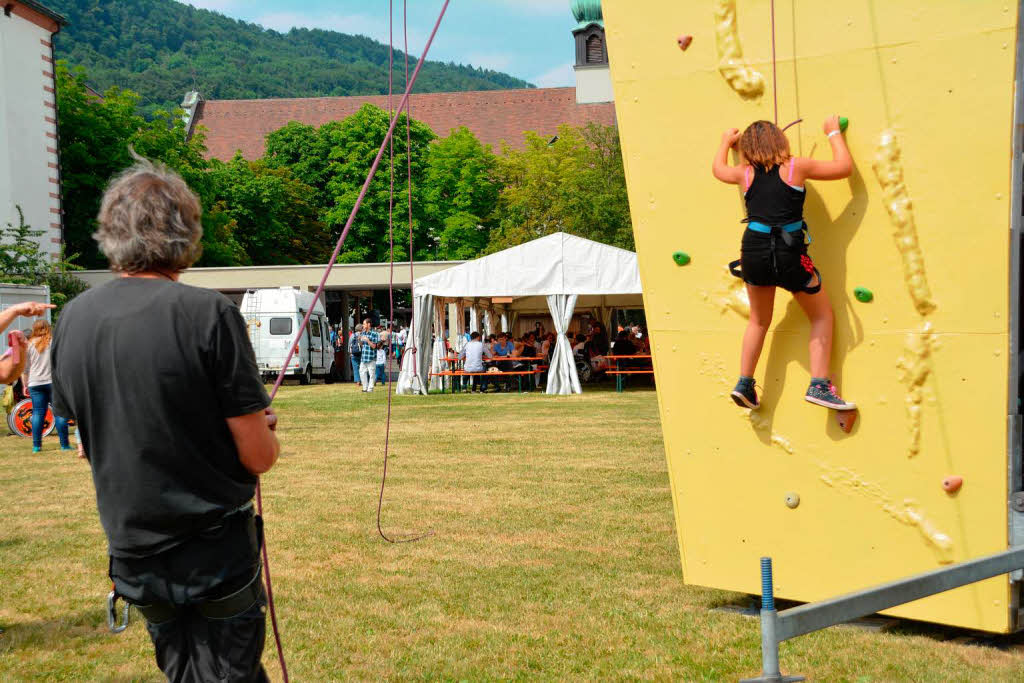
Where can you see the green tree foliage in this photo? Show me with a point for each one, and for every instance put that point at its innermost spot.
(162, 48)
(22, 263)
(306, 151)
(354, 144)
(275, 219)
(96, 137)
(575, 185)
(459, 193)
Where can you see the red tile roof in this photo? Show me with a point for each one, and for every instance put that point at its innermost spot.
(493, 115)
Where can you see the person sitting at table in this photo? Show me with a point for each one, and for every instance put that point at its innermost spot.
(503, 348)
(579, 344)
(624, 347)
(473, 354)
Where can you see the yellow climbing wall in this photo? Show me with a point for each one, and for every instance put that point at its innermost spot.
(923, 223)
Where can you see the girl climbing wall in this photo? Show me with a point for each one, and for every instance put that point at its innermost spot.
(774, 247)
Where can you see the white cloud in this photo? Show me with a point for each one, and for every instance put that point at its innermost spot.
(561, 76)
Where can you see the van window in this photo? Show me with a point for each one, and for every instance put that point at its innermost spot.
(280, 326)
(314, 327)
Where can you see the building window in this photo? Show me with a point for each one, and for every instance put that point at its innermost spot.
(595, 50)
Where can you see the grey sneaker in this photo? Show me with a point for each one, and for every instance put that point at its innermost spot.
(744, 394)
(825, 395)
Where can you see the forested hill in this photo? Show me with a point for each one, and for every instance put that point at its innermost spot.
(162, 48)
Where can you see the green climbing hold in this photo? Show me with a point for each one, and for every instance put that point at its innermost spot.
(843, 123)
(681, 258)
(863, 294)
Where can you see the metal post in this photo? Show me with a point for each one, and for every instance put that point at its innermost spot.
(769, 642)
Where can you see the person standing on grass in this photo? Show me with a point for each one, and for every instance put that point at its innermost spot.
(37, 381)
(354, 353)
(368, 340)
(176, 426)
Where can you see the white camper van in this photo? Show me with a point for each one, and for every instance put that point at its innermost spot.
(273, 316)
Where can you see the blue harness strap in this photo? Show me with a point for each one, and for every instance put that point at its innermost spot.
(757, 226)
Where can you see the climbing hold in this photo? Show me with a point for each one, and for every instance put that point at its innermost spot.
(863, 294)
(681, 258)
(684, 42)
(792, 500)
(952, 484)
(846, 418)
(843, 123)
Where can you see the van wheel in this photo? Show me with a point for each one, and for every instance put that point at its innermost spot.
(332, 376)
(306, 377)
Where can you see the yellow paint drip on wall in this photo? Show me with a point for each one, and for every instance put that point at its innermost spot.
(923, 222)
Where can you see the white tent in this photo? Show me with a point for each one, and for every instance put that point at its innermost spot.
(558, 273)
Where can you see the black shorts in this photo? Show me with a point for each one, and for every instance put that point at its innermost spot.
(772, 260)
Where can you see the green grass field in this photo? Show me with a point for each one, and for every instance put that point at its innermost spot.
(553, 557)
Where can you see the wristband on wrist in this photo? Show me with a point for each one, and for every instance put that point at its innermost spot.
(835, 132)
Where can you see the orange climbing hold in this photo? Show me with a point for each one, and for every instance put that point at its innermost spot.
(684, 42)
(846, 418)
(952, 484)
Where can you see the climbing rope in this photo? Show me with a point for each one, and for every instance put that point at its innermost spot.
(319, 292)
(391, 246)
(775, 80)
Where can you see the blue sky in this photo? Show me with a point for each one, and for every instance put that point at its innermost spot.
(530, 39)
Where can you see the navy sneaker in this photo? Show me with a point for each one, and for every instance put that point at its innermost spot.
(744, 394)
(824, 394)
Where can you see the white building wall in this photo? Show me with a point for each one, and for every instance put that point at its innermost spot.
(29, 174)
(593, 84)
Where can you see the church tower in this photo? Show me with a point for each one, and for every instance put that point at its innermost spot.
(593, 81)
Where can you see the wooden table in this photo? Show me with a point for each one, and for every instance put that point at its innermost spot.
(620, 374)
(532, 373)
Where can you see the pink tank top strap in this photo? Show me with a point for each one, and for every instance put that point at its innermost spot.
(746, 178)
(791, 160)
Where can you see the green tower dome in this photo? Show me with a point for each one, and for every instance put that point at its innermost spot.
(587, 12)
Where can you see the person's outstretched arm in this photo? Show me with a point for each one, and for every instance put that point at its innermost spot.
(720, 167)
(841, 165)
(9, 370)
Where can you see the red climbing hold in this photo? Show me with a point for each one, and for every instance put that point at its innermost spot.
(952, 484)
(846, 418)
(684, 42)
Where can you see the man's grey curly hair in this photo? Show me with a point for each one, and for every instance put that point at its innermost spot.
(149, 220)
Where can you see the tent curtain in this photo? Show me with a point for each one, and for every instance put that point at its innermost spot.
(458, 329)
(437, 350)
(512, 322)
(562, 377)
(474, 318)
(417, 357)
(489, 315)
(504, 322)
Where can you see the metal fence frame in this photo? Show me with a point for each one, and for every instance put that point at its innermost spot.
(797, 621)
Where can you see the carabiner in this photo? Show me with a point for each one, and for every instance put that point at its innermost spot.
(112, 614)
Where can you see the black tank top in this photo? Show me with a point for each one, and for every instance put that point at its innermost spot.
(771, 201)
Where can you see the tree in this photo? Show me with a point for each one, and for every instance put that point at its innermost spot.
(306, 151)
(354, 145)
(274, 216)
(96, 138)
(22, 263)
(575, 184)
(459, 193)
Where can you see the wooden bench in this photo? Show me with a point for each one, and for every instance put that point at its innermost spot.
(518, 374)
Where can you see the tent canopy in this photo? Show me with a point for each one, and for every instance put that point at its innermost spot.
(556, 264)
(558, 271)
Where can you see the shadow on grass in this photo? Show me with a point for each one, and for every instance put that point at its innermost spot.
(55, 632)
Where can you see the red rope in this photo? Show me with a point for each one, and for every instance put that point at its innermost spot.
(316, 297)
(391, 280)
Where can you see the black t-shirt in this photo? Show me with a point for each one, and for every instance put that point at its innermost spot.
(150, 369)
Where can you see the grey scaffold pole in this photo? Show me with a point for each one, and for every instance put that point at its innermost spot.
(815, 616)
(769, 641)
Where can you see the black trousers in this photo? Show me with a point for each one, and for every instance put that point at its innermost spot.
(213, 564)
(191, 647)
